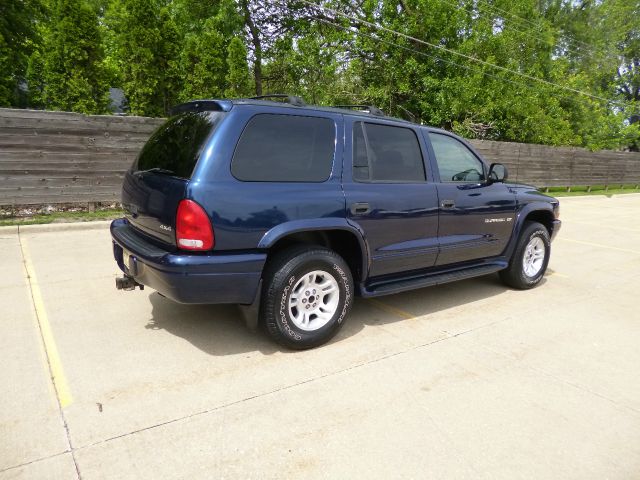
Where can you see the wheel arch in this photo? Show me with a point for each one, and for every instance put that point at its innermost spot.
(540, 212)
(340, 236)
(545, 217)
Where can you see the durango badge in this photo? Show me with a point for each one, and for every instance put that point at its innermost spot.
(497, 220)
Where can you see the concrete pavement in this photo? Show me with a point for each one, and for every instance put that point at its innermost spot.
(466, 380)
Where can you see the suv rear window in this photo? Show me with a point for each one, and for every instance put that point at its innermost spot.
(174, 148)
(285, 148)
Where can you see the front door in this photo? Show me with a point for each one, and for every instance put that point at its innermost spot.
(476, 218)
(389, 196)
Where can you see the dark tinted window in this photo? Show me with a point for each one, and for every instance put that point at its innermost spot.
(360, 159)
(175, 146)
(456, 163)
(383, 153)
(285, 148)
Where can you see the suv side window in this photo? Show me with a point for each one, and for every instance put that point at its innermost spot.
(285, 148)
(384, 153)
(456, 163)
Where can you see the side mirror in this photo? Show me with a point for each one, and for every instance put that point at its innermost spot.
(498, 173)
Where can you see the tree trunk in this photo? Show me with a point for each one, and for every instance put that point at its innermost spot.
(257, 47)
(257, 71)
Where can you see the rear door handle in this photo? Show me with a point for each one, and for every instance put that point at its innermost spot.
(447, 204)
(360, 208)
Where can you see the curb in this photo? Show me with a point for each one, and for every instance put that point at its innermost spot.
(56, 227)
(582, 197)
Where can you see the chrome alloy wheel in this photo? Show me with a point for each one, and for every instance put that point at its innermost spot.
(314, 300)
(533, 257)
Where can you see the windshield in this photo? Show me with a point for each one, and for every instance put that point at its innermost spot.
(174, 148)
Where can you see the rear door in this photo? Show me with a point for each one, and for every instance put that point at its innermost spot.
(476, 218)
(389, 196)
(158, 178)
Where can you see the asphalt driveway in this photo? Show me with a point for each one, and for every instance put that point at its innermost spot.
(466, 380)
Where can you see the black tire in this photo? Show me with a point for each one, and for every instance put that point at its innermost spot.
(282, 274)
(515, 275)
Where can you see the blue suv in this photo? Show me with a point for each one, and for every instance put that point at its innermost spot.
(292, 210)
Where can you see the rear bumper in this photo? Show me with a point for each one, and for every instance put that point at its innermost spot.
(187, 277)
(555, 228)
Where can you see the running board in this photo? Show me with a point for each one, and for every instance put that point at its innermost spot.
(402, 285)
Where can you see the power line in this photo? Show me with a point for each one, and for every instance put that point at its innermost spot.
(522, 19)
(468, 57)
(436, 57)
(488, 9)
(474, 69)
(493, 7)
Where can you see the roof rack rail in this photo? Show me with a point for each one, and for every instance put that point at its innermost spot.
(369, 108)
(292, 99)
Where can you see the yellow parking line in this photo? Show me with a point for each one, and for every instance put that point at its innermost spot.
(556, 274)
(637, 252)
(55, 364)
(391, 309)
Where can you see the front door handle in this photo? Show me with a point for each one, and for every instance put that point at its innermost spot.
(447, 204)
(360, 208)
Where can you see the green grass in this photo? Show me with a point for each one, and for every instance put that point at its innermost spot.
(595, 190)
(62, 217)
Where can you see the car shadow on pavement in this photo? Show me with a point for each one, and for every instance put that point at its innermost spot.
(221, 330)
(421, 303)
(214, 329)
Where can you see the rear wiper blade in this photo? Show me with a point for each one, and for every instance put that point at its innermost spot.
(157, 170)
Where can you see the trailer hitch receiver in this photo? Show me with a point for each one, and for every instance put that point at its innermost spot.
(127, 283)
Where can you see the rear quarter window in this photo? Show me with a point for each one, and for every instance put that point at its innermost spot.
(174, 148)
(285, 148)
(386, 153)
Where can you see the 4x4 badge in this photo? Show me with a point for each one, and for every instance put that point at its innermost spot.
(165, 227)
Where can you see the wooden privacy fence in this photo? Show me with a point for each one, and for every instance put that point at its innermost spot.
(59, 157)
(545, 166)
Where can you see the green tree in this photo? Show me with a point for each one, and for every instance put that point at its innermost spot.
(190, 15)
(35, 80)
(18, 37)
(203, 64)
(143, 47)
(8, 83)
(72, 71)
(164, 51)
(622, 19)
(168, 53)
(543, 40)
(265, 23)
(238, 78)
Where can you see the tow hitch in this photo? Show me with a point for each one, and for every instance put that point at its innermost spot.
(127, 283)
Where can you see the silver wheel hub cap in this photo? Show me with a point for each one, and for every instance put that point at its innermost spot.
(533, 257)
(314, 300)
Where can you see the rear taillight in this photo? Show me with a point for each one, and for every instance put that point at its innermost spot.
(193, 227)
